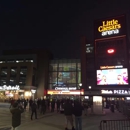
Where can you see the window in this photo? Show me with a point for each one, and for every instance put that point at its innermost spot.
(29, 60)
(4, 71)
(79, 66)
(66, 77)
(13, 71)
(53, 67)
(89, 49)
(67, 66)
(63, 73)
(53, 77)
(10, 61)
(22, 80)
(79, 77)
(12, 81)
(3, 81)
(23, 71)
(2, 61)
(17, 61)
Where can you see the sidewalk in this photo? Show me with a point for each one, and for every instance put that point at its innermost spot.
(55, 121)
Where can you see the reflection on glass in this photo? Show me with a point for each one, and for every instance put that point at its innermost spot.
(67, 77)
(12, 81)
(3, 81)
(3, 71)
(23, 71)
(13, 71)
(53, 77)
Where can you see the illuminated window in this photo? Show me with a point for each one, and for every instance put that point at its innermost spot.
(2, 61)
(18, 61)
(28, 60)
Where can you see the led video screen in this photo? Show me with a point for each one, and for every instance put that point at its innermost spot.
(112, 77)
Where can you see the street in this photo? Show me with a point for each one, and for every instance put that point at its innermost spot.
(54, 121)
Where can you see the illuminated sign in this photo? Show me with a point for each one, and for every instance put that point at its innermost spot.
(115, 91)
(110, 27)
(5, 87)
(71, 92)
(33, 91)
(111, 67)
(65, 88)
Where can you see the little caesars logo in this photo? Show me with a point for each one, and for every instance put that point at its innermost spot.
(109, 27)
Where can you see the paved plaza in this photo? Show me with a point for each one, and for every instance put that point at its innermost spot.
(54, 121)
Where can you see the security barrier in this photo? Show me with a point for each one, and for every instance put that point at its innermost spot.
(115, 125)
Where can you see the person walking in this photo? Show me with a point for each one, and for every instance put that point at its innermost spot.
(68, 111)
(43, 106)
(38, 103)
(52, 105)
(85, 107)
(78, 108)
(34, 110)
(25, 104)
(58, 105)
(16, 115)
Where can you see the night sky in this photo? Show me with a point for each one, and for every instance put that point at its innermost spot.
(53, 25)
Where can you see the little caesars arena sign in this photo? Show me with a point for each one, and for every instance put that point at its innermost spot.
(109, 27)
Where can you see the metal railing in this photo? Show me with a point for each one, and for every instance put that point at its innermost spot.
(115, 125)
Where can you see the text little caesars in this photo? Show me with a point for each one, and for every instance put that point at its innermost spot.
(109, 27)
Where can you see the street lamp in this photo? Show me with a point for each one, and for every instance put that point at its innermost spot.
(89, 87)
(80, 84)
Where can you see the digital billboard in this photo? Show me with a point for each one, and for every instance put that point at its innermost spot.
(112, 77)
(110, 27)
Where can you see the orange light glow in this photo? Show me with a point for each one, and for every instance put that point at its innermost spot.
(76, 92)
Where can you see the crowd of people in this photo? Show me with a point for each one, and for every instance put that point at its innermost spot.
(67, 106)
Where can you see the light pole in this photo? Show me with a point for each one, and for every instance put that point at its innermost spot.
(80, 85)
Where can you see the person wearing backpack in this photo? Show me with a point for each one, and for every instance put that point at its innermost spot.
(34, 110)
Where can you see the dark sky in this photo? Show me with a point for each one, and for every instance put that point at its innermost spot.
(54, 25)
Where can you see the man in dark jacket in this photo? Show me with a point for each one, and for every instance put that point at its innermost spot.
(43, 106)
(16, 115)
(34, 110)
(78, 108)
(68, 111)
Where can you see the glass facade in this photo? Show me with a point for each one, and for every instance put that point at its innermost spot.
(64, 73)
